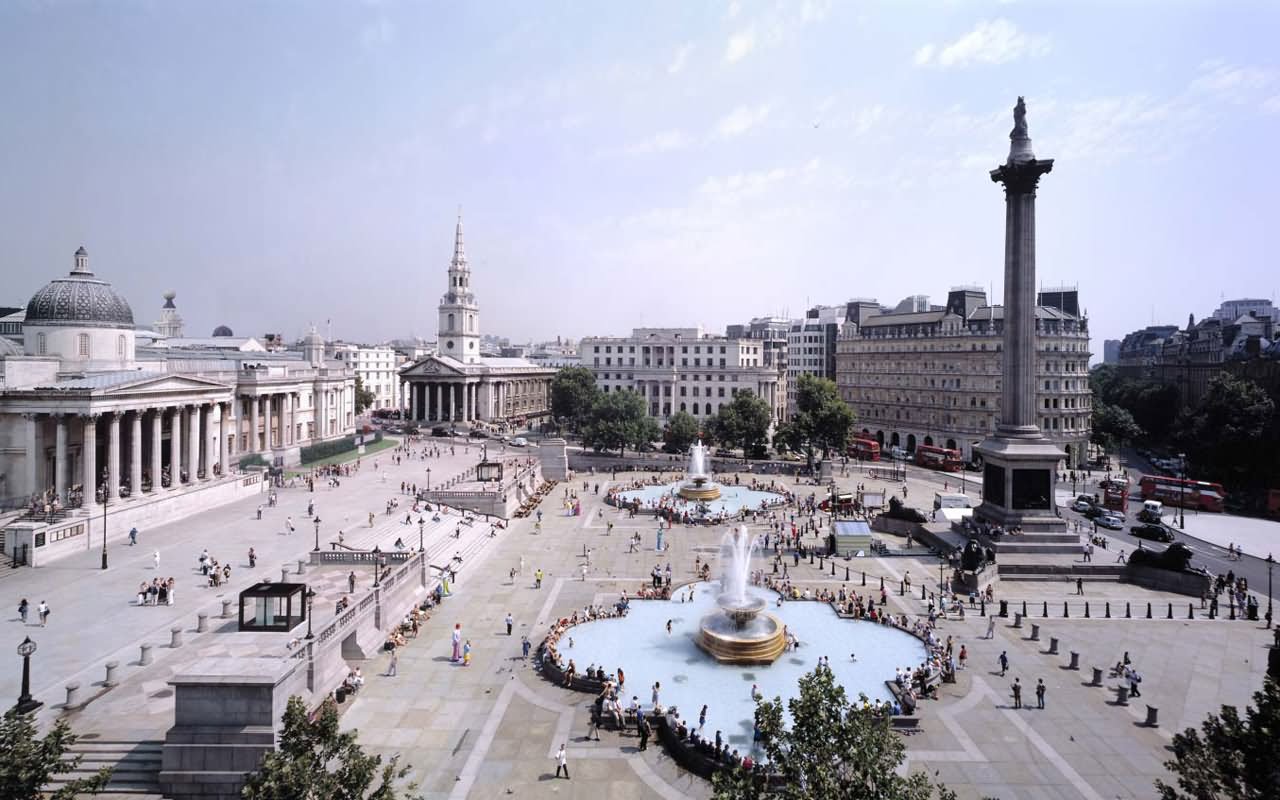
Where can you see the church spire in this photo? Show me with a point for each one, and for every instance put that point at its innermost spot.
(459, 249)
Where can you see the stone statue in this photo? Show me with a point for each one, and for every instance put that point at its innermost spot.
(1019, 121)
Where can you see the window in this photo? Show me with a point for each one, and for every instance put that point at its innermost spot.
(450, 323)
(120, 346)
(84, 344)
(42, 345)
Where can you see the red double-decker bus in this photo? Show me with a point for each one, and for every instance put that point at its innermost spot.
(940, 458)
(864, 449)
(1182, 492)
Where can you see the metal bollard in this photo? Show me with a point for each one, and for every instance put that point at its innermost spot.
(1170, 614)
(1065, 611)
(1044, 612)
(923, 596)
(902, 588)
(1053, 645)
(882, 583)
(175, 639)
(864, 577)
(1148, 611)
(144, 655)
(1153, 715)
(1075, 660)
(226, 608)
(1127, 615)
(1097, 677)
(819, 563)
(983, 613)
(833, 571)
(1035, 632)
(1122, 696)
(1086, 609)
(1017, 620)
(202, 623)
(1108, 609)
(1024, 608)
(73, 695)
(110, 679)
(1191, 614)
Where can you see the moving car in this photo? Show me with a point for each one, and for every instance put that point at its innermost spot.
(519, 441)
(476, 433)
(439, 430)
(1113, 522)
(1158, 533)
(1081, 506)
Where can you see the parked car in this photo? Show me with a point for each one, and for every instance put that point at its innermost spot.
(519, 441)
(1111, 521)
(1081, 506)
(439, 430)
(1093, 512)
(1158, 533)
(476, 433)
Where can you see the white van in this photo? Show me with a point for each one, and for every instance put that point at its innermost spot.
(1151, 511)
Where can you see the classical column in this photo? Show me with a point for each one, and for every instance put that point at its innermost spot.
(175, 447)
(269, 443)
(89, 460)
(253, 425)
(292, 413)
(223, 413)
(318, 433)
(206, 449)
(113, 457)
(60, 457)
(157, 438)
(135, 455)
(33, 472)
(433, 401)
(448, 389)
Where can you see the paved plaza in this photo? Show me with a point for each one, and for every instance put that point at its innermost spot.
(493, 727)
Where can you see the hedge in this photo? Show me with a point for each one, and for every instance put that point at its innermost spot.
(253, 460)
(317, 452)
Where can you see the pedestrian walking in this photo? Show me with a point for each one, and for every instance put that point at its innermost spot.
(1134, 680)
(1017, 693)
(584, 572)
(1079, 585)
(1004, 662)
(991, 627)
(562, 763)
(1040, 690)
(510, 623)
(645, 730)
(351, 582)
(466, 653)
(23, 608)
(525, 646)
(391, 667)
(457, 641)
(537, 579)
(42, 611)
(155, 559)
(133, 536)
(253, 558)
(288, 525)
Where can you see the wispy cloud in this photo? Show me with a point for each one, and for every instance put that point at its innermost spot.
(740, 45)
(740, 120)
(662, 142)
(991, 42)
(1232, 82)
(681, 57)
(1271, 105)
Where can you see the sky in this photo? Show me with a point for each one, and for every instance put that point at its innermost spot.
(282, 164)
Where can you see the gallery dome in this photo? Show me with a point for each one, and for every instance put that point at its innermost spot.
(79, 300)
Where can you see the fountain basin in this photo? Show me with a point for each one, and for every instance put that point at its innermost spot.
(756, 639)
(699, 489)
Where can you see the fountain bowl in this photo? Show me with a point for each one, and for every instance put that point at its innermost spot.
(759, 640)
(699, 488)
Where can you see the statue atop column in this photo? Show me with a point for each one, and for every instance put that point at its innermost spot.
(1020, 140)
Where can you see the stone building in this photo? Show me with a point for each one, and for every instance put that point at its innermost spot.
(459, 384)
(377, 367)
(682, 369)
(932, 377)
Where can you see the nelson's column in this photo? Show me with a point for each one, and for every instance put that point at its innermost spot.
(1020, 464)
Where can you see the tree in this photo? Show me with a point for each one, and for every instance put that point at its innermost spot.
(1235, 759)
(29, 762)
(682, 431)
(618, 419)
(1112, 426)
(744, 423)
(822, 420)
(364, 397)
(1224, 434)
(573, 395)
(834, 750)
(317, 760)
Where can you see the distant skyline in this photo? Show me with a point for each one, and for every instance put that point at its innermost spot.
(629, 165)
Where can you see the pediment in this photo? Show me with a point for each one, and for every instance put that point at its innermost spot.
(166, 384)
(431, 366)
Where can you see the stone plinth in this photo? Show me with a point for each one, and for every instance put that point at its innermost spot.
(552, 455)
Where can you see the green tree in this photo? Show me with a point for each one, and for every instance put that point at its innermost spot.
(682, 431)
(364, 397)
(744, 422)
(29, 761)
(618, 420)
(1223, 433)
(573, 395)
(1235, 758)
(316, 760)
(1112, 426)
(787, 438)
(822, 420)
(834, 750)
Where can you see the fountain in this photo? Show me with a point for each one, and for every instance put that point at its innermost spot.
(698, 485)
(738, 632)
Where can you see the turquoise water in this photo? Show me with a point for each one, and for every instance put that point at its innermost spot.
(732, 499)
(640, 644)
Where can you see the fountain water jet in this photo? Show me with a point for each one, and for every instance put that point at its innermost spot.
(699, 485)
(739, 632)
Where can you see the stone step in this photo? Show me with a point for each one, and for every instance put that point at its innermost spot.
(1028, 548)
(1056, 578)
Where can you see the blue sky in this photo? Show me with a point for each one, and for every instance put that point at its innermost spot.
(626, 164)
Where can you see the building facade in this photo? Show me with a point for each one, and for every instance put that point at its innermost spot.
(933, 377)
(458, 384)
(92, 409)
(377, 367)
(811, 347)
(773, 333)
(682, 369)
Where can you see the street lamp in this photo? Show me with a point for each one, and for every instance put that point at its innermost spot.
(26, 703)
(1182, 489)
(311, 599)
(317, 522)
(421, 524)
(1271, 562)
(428, 479)
(105, 498)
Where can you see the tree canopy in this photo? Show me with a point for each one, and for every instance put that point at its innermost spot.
(364, 396)
(29, 761)
(1112, 425)
(573, 394)
(822, 420)
(619, 420)
(1231, 757)
(317, 761)
(1226, 435)
(744, 423)
(834, 750)
(1152, 404)
(682, 431)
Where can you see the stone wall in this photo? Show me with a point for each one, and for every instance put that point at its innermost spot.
(1194, 584)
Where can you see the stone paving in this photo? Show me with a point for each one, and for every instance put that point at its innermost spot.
(492, 728)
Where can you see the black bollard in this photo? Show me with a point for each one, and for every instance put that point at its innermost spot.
(902, 588)
(881, 582)
(984, 607)
(864, 576)
(1191, 611)
(1044, 612)
(1148, 611)
(1086, 609)
(1065, 612)
(1024, 608)
(922, 594)
(1108, 609)
(810, 556)
(1233, 608)
(819, 563)
(1127, 615)
(846, 576)
(833, 571)
(1170, 616)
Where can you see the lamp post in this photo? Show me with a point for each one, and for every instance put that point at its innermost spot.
(428, 479)
(311, 599)
(421, 524)
(1182, 489)
(317, 522)
(1271, 562)
(26, 703)
(105, 498)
